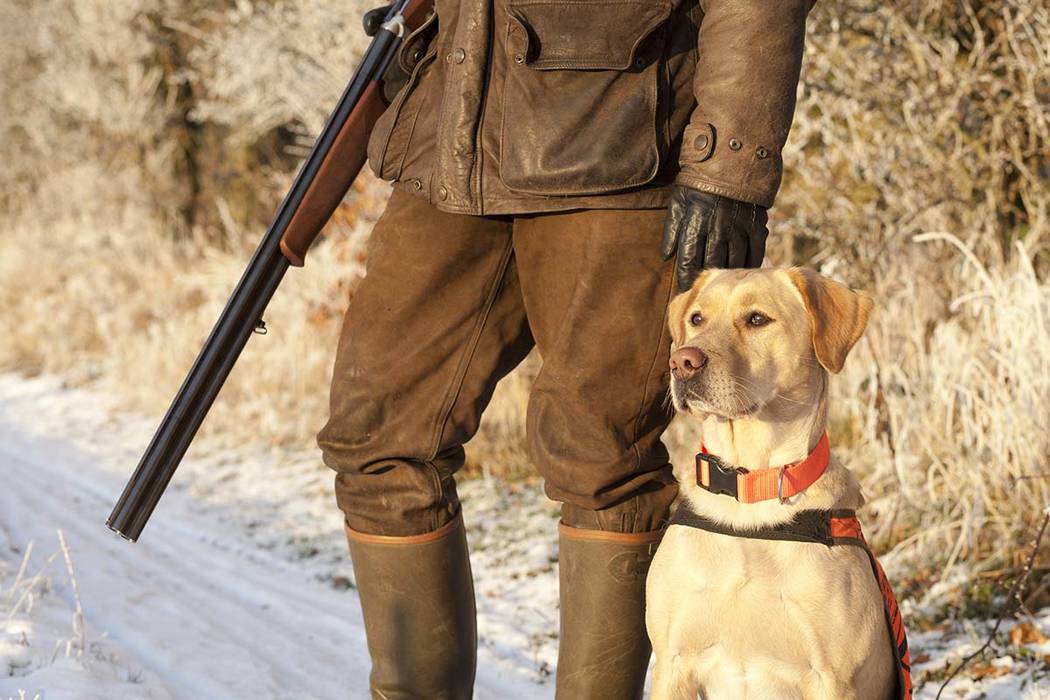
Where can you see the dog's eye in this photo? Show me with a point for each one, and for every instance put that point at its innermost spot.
(695, 319)
(758, 319)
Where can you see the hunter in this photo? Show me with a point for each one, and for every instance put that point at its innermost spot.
(561, 168)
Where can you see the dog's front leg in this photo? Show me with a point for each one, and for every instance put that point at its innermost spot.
(673, 680)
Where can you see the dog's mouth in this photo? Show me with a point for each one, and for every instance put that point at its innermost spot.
(693, 396)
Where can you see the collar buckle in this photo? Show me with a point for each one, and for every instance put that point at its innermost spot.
(722, 476)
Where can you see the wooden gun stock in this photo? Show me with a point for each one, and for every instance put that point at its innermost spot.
(344, 161)
(336, 174)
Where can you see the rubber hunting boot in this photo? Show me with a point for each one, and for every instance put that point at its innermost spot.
(417, 599)
(603, 649)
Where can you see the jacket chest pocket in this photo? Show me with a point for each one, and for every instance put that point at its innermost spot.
(580, 95)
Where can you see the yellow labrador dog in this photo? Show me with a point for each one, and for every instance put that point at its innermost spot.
(735, 610)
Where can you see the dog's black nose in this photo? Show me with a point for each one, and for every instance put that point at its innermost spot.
(685, 362)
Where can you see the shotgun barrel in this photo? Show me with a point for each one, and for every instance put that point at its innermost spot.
(324, 178)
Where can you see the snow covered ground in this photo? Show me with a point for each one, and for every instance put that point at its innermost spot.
(240, 586)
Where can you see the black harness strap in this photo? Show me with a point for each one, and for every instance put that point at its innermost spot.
(807, 525)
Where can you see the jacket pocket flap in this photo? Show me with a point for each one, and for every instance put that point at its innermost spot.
(587, 34)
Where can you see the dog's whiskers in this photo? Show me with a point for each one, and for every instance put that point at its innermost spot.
(668, 403)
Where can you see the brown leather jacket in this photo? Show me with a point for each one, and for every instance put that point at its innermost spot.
(517, 106)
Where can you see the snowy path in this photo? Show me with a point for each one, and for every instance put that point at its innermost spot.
(187, 613)
(191, 612)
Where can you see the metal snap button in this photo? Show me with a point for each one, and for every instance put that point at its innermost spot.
(417, 54)
(761, 152)
(417, 184)
(735, 145)
(459, 56)
(519, 58)
(701, 142)
(443, 193)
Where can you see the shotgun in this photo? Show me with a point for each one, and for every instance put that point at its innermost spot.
(329, 170)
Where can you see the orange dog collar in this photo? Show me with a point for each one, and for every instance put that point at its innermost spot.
(718, 476)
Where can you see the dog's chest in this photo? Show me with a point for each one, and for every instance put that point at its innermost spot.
(731, 573)
(721, 599)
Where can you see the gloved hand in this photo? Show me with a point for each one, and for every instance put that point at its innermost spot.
(708, 230)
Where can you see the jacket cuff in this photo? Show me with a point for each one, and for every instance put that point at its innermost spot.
(725, 190)
(728, 165)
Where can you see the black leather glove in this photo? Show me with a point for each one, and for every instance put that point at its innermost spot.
(708, 230)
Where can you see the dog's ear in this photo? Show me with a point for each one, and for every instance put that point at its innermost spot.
(837, 315)
(679, 305)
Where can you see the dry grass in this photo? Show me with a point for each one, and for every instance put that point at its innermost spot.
(129, 309)
(918, 169)
(925, 118)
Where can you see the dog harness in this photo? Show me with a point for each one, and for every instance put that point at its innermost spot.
(717, 476)
(830, 528)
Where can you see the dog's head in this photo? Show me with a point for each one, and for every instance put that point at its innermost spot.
(742, 339)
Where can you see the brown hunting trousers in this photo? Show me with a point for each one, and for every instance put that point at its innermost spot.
(449, 305)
